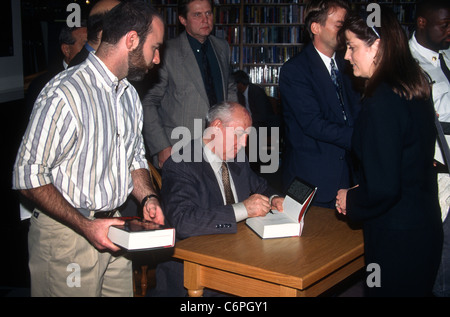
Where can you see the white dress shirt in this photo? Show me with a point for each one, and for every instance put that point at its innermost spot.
(240, 211)
(327, 60)
(429, 61)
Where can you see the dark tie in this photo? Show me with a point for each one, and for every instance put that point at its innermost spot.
(209, 82)
(442, 143)
(226, 184)
(444, 67)
(337, 84)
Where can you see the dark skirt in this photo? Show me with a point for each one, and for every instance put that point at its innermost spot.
(408, 260)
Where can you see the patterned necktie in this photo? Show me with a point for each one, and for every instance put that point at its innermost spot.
(229, 198)
(337, 84)
(209, 82)
(444, 67)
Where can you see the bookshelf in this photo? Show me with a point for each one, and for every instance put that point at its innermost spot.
(264, 34)
(405, 10)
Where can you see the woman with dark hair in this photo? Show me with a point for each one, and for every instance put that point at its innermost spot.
(394, 139)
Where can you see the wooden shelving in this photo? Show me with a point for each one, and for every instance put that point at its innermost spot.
(264, 34)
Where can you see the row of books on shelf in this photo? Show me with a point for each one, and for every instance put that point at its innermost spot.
(261, 34)
(227, 15)
(285, 14)
(273, 34)
(269, 54)
(229, 33)
(170, 14)
(282, 14)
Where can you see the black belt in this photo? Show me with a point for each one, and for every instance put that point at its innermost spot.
(105, 214)
(98, 214)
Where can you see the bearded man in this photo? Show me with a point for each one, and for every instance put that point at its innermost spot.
(83, 154)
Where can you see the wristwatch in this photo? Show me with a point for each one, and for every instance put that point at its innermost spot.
(144, 201)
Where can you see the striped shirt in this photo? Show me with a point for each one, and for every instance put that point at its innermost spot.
(84, 137)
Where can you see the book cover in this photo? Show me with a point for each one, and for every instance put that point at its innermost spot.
(139, 234)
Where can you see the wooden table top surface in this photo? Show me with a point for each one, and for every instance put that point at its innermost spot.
(326, 244)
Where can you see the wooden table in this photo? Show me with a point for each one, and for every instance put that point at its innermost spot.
(243, 264)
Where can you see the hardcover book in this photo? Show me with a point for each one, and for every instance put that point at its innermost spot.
(138, 234)
(290, 221)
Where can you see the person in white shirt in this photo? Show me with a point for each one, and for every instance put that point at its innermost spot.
(83, 154)
(430, 46)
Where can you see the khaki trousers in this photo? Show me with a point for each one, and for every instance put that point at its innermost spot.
(64, 263)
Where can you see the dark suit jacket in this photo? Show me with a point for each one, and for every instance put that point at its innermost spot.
(317, 137)
(397, 198)
(260, 106)
(80, 57)
(192, 200)
(193, 205)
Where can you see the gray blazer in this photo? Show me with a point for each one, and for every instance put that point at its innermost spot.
(179, 95)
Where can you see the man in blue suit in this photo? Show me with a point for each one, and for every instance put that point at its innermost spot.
(319, 106)
(194, 190)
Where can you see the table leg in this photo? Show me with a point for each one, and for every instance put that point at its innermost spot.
(195, 292)
(192, 279)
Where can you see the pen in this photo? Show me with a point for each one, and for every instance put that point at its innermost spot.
(251, 193)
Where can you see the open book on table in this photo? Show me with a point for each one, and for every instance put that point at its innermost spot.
(290, 221)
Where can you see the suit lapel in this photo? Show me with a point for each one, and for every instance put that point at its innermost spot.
(208, 177)
(190, 64)
(239, 182)
(221, 60)
(321, 75)
(347, 86)
(216, 197)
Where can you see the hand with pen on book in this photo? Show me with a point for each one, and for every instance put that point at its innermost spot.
(258, 205)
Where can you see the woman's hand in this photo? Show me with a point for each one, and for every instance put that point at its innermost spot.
(341, 200)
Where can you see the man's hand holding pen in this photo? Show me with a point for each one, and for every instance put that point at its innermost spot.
(258, 205)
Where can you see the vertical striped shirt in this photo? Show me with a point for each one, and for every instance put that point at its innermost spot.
(84, 137)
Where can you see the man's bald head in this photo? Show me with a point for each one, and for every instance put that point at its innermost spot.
(103, 6)
(95, 20)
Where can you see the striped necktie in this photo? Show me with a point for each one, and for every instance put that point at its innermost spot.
(337, 83)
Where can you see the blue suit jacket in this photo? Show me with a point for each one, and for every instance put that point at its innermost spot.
(317, 137)
(191, 196)
(193, 205)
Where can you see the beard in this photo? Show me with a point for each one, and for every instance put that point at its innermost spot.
(137, 67)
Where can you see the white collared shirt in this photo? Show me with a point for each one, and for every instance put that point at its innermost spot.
(84, 137)
(327, 60)
(240, 211)
(429, 61)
